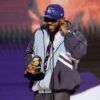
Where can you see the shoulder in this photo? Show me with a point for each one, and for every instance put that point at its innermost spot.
(73, 31)
(39, 30)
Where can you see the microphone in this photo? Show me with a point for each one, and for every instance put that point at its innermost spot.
(43, 26)
(42, 23)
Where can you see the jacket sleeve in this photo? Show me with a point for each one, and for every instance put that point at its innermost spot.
(76, 44)
(29, 51)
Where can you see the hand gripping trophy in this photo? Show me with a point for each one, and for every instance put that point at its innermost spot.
(33, 70)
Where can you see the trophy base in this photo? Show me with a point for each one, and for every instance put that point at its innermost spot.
(34, 77)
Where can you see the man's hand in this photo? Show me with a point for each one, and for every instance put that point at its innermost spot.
(63, 26)
(29, 69)
(34, 66)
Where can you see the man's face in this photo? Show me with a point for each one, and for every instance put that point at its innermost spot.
(52, 25)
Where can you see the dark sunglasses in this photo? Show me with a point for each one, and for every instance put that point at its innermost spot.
(49, 20)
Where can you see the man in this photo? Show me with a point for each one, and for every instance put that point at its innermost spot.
(60, 48)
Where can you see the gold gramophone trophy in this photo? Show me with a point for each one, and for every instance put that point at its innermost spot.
(33, 70)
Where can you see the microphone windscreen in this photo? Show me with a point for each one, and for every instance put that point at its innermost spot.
(43, 26)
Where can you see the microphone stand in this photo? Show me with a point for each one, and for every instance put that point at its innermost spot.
(52, 60)
(52, 84)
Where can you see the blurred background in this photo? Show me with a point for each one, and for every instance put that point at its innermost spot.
(19, 18)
